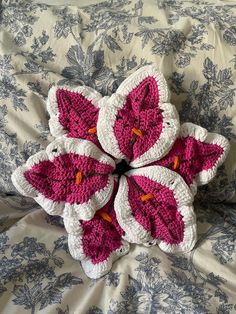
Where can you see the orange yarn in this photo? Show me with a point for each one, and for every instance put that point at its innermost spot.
(79, 177)
(176, 162)
(137, 132)
(105, 216)
(92, 130)
(146, 197)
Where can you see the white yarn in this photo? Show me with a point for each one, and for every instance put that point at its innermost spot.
(134, 232)
(52, 105)
(64, 145)
(98, 270)
(201, 134)
(109, 107)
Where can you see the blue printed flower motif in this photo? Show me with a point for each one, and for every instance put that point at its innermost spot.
(112, 279)
(37, 270)
(3, 242)
(28, 248)
(9, 268)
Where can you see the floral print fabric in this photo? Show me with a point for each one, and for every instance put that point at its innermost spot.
(99, 46)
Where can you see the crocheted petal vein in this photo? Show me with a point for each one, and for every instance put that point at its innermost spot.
(97, 242)
(74, 112)
(72, 177)
(200, 154)
(151, 207)
(137, 123)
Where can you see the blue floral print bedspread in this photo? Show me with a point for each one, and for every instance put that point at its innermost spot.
(99, 45)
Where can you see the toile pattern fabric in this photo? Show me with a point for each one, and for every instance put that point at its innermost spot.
(99, 44)
(82, 176)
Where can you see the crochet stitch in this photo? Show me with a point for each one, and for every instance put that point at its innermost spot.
(140, 103)
(195, 155)
(51, 177)
(166, 218)
(121, 170)
(74, 112)
(97, 242)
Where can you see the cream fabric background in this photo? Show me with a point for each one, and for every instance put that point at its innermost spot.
(41, 45)
(25, 123)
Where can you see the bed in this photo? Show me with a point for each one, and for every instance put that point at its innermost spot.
(99, 44)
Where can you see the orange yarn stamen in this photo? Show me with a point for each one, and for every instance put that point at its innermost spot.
(176, 162)
(79, 177)
(105, 216)
(92, 130)
(146, 197)
(137, 132)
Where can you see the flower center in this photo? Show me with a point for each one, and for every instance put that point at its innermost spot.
(122, 167)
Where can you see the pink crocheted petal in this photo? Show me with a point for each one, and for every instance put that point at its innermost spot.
(71, 178)
(196, 154)
(74, 112)
(154, 205)
(97, 243)
(137, 123)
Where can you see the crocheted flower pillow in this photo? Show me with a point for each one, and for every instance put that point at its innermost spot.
(121, 170)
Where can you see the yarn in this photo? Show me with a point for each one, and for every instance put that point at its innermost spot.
(74, 112)
(189, 156)
(121, 170)
(97, 242)
(77, 115)
(61, 179)
(151, 205)
(139, 123)
(146, 197)
(102, 234)
(158, 214)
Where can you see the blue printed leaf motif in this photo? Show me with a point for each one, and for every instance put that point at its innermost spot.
(53, 296)
(112, 279)
(3, 242)
(26, 296)
(60, 311)
(135, 284)
(230, 35)
(209, 69)
(54, 290)
(67, 281)
(225, 309)
(180, 262)
(61, 244)
(111, 43)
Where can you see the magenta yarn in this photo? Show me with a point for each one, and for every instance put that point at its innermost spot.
(136, 181)
(159, 215)
(77, 115)
(56, 179)
(141, 111)
(100, 237)
(194, 157)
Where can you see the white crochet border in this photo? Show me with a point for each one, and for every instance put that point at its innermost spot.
(94, 271)
(201, 134)
(135, 232)
(83, 211)
(109, 106)
(52, 105)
